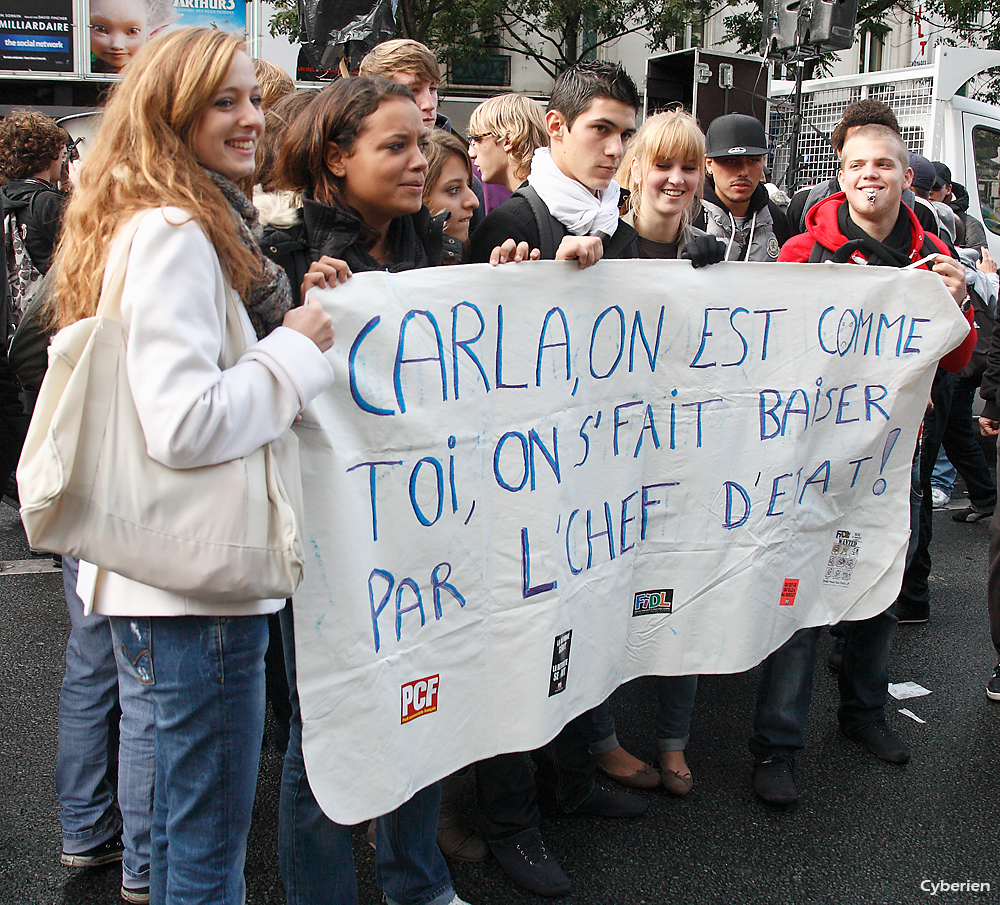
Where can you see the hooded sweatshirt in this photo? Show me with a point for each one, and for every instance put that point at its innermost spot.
(38, 207)
(762, 233)
(823, 228)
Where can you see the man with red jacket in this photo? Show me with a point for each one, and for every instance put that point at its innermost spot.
(865, 223)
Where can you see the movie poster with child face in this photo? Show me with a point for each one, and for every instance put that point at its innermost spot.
(120, 28)
(36, 35)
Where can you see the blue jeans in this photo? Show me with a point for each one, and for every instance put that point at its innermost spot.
(317, 862)
(206, 676)
(963, 449)
(785, 689)
(783, 697)
(674, 702)
(90, 688)
(944, 473)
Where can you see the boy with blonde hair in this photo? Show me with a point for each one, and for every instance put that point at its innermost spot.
(412, 64)
(504, 133)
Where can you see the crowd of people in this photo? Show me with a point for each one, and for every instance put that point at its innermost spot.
(213, 177)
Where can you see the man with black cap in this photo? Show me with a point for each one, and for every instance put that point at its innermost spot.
(736, 207)
(969, 231)
(923, 178)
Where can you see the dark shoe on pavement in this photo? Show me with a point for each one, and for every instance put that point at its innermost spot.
(456, 838)
(603, 802)
(135, 896)
(909, 612)
(883, 743)
(646, 777)
(993, 686)
(105, 853)
(526, 861)
(774, 780)
(972, 514)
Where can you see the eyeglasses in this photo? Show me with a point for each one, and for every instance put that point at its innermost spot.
(476, 139)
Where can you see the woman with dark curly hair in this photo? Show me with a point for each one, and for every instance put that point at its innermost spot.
(32, 156)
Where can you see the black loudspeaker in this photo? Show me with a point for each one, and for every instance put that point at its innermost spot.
(781, 27)
(823, 25)
(831, 24)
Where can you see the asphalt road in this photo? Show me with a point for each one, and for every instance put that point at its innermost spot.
(864, 833)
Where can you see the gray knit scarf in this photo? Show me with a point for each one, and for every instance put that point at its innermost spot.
(271, 296)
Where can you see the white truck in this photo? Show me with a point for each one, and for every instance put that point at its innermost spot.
(937, 120)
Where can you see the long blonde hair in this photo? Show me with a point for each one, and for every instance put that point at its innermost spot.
(672, 134)
(142, 158)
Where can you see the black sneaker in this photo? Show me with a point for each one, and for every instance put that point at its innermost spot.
(993, 686)
(105, 853)
(972, 514)
(910, 612)
(526, 861)
(882, 742)
(774, 781)
(135, 896)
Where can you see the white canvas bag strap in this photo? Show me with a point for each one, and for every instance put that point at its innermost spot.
(259, 461)
(110, 304)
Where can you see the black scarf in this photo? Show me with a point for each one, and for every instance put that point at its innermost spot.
(271, 297)
(893, 252)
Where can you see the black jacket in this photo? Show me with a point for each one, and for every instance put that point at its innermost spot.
(323, 230)
(39, 207)
(970, 232)
(766, 218)
(514, 219)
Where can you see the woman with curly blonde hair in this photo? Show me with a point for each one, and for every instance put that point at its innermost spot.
(164, 184)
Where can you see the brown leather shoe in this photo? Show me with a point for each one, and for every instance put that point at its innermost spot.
(457, 840)
(646, 777)
(676, 783)
(455, 837)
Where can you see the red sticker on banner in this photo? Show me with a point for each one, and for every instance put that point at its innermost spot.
(788, 591)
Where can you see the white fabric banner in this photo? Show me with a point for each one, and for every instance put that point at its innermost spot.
(531, 483)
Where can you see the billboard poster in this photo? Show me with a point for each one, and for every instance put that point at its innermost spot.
(36, 35)
(119, 28)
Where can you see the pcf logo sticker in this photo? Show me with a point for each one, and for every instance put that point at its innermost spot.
(419, 697)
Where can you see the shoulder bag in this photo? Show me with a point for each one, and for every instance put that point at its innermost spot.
(220, 533)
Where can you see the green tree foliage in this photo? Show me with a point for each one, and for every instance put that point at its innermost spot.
(554, 33)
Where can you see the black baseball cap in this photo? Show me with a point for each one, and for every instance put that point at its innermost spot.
(943, 175)
(923, 172)
(735, 135)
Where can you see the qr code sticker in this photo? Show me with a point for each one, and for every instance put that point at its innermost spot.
(843, 560)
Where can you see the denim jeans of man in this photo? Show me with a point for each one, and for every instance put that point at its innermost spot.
(317, 861)
(939, 429)
(672, 724)
(206, 675)
(94, 681)
(962, 446)
(785, 689)
(993, 575)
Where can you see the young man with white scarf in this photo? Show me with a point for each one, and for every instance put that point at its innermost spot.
(567, 211)
(590, 119)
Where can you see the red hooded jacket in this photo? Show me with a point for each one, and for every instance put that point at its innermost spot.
(822, 228)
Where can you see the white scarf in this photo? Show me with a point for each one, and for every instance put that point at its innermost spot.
(577, 208)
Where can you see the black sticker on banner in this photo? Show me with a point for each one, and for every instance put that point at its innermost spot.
(560, 663)
(653, 603)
